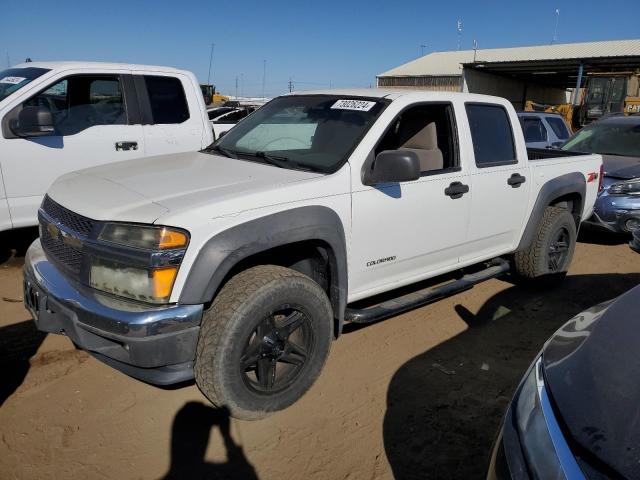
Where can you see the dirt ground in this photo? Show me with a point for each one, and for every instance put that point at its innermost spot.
(416, 396)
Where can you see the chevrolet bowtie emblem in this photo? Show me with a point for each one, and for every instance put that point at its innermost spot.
(53, 230)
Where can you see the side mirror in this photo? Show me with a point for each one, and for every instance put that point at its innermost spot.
(33, 122)
(393, 166)
(222, 134)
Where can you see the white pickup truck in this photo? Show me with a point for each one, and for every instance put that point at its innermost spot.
(238, 265)
(57, 117)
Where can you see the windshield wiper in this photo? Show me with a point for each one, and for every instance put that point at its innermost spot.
(277, 160)
(225, 151)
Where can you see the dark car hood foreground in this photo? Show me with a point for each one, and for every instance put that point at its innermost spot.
(624, 168)
(592, 369)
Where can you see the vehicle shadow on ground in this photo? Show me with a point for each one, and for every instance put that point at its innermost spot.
(192, 427)
(444, 406)
(18, 343)
(14, 243)
(600, 237)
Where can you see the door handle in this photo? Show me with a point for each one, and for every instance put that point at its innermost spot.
(456, 190)
(516, 180)
(121, 146)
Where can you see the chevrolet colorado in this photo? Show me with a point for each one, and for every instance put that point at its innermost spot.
(238, 265)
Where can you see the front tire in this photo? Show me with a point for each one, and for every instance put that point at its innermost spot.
(263, 341)
(549, 255)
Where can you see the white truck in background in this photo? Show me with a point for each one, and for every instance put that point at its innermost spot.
(56, 117)
(239, 264)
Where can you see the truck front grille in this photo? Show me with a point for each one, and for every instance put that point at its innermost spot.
(68, 256)
(69, 219)
(61, 238)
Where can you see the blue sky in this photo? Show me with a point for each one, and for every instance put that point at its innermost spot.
(317, 44)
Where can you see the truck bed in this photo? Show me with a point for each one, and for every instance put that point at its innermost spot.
(547, 153)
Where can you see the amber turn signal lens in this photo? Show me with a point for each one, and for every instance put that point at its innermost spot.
(163, 279)
(172, 239)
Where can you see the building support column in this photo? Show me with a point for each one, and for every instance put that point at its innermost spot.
(576, 92)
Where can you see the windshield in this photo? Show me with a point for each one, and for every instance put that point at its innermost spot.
(313, 132)
(13, 79)
(607, 138)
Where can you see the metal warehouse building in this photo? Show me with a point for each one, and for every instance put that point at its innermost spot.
(544, 73)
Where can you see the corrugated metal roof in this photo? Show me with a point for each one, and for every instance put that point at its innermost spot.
(450, 63)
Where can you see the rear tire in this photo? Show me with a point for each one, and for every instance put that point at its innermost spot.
(549, 255)
(263, 341)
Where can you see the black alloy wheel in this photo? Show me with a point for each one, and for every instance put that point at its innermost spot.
(558, 250)
(277, 350)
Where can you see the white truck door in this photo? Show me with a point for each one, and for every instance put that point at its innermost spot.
(5, 218)
(402, 233)
(91, 127)
(499, 182)
(172, 113)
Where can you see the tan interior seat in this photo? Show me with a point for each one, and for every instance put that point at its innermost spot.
(425, 144)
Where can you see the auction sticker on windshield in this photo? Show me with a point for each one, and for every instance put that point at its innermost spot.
(359, 105)
(12, 80)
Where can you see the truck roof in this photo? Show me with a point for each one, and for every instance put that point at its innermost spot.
(393, 94)
(66, 65)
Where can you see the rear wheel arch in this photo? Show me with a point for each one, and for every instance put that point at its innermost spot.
(567, 191)
(310, 240)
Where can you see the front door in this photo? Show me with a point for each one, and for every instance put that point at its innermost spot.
(92, 127)
(405, 232)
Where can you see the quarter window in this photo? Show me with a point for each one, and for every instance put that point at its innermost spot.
(491, 135)
(534, 130)
(559, 127)
(167, 99)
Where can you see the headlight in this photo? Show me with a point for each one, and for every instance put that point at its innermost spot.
(149, 238)
(630, 187)
(545, 448)
(152, 286)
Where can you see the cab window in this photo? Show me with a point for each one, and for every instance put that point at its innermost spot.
(80, 102)
(491, 135)
(429, 131)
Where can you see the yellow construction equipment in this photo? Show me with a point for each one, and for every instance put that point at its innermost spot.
(602, 94)
(211, 97)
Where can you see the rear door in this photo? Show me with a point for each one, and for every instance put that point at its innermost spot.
(408, 231)
(173, 122)
(95, 122)
(500, 182)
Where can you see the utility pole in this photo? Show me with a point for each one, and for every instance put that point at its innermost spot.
(242, 84)
(422, 47)
(555, 30)
(264, 76)
(8, 60)
(290, 85)
(236, 87)
(475, 50)
(210, 63)
(459, 33)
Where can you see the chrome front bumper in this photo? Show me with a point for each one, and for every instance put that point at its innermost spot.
(155, 344)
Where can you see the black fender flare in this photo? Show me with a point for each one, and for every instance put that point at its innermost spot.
(223, 251)
(570, 183)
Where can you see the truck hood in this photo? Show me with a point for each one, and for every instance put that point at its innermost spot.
(591, 367)
(624, 168)
(143, 190)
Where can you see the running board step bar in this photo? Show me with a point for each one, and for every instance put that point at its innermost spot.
(413, 300)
